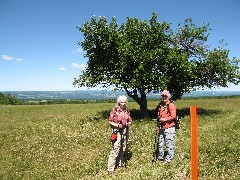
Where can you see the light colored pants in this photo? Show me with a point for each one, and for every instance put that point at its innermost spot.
(118, 150)
(167, 137)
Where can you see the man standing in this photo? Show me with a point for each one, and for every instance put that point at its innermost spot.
(166, 127)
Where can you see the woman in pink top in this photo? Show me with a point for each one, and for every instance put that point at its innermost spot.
(119, 121)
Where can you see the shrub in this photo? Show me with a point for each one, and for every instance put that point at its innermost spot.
(8, 99)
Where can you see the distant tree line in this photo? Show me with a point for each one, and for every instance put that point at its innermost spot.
(7, 98)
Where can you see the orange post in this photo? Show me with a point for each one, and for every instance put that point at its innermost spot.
(194, 142)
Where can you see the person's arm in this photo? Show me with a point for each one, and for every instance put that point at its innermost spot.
(114, 124)
(129, 120)
(112, 118)
(173, 112)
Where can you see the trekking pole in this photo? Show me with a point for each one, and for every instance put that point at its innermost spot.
(121, 144)
(155, 152)
(126, 158)
(121, 150)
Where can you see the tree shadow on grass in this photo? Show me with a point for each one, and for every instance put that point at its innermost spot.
(136, 114)
(185, 112)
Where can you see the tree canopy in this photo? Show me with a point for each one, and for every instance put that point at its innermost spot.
(142, 56)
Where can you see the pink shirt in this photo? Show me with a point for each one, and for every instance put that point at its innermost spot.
(167, 111)
(118, 115)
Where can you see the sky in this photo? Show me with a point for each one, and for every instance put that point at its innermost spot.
(39, 48)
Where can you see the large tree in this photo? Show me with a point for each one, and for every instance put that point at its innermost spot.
(140, 57)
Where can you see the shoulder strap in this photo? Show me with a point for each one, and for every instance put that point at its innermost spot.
(168, 107)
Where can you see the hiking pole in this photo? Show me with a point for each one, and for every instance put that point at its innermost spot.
(155, 152)
(122, 147)
(126, 152)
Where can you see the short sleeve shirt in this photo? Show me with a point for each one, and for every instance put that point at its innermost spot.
(167, 111)
(118, 115)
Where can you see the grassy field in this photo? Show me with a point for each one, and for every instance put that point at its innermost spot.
(71, 141)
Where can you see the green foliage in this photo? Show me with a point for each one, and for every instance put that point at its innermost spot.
(71, 141)
(8, 99)
(141, 56)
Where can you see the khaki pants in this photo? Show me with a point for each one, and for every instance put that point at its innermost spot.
(118, 150)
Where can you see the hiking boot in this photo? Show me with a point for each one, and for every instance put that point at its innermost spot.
(121, 165)
(167, 161)
(110, 173)
(160, 159)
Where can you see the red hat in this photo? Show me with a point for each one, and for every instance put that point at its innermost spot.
(165, 93)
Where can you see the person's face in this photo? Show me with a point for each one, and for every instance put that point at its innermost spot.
(123, 104)
(164, 98)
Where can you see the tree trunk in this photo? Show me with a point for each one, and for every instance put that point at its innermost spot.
(143, 107)
(142, 101)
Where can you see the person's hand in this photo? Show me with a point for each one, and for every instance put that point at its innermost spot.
(120, 126)
(157, 130)
(163, 119)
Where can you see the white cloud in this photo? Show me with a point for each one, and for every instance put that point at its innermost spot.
(62, 68)
(7, 58)
(81, 66)
(19, 60)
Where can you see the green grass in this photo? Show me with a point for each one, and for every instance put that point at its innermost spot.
(71, 141)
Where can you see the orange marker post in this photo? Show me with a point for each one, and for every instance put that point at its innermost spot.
(194, 142)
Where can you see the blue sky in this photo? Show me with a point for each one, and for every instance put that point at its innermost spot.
(38, 38)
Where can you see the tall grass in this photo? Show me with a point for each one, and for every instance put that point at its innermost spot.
(71, 141)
